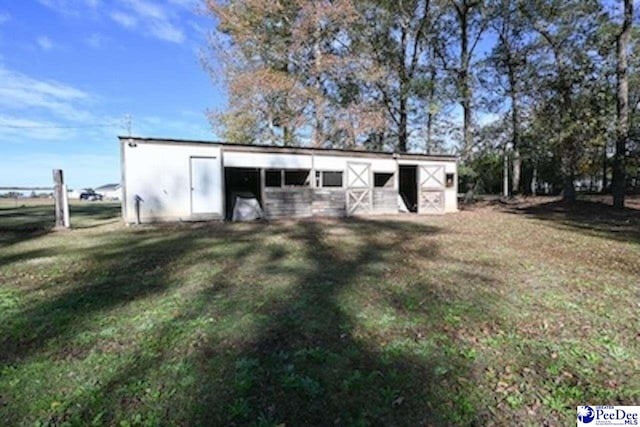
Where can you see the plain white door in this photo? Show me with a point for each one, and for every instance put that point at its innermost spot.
(205, 185)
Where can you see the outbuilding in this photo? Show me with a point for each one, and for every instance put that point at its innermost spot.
(184, 180)
(110, 191)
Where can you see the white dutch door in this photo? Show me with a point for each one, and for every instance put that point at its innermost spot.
(359, 196)
(431, 189)
(205, 185)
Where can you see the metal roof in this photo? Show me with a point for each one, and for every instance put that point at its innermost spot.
(229, 146)
(109, 187)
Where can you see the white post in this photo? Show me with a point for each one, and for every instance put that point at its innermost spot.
(61, 200)
(65, 206)
(534, 181)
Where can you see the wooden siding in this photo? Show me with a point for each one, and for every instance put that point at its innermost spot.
(329, 202)
(304, 202)
(385, 200)
(287, 202)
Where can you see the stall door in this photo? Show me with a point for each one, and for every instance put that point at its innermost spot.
(359, 195)
(431, 189)
(205, 185)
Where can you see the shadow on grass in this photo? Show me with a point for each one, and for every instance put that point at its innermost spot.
(317, 352)
(589, 218)
(310, 363)
(89, 215)
(123, 271)
(26, 222)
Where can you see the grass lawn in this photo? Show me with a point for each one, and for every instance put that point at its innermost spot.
(498, 315)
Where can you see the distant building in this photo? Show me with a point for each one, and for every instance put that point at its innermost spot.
(110, 191)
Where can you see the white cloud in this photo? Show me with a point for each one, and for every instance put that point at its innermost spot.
(124, 19)
(187, 4)
(4, 17)
(21, 92)
(165, 31)
(70, 7)
(18, 130)
(45, 43)
(96, 40)
(155, 20)
(146, 9)
(34, 112)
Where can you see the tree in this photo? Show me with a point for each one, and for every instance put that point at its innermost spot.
(565, 64)
(508, 60)
(388, 74)
(286, 64)
(395, 35)
(622, 106)
(633, 148)
(463, 27)
(252, 47)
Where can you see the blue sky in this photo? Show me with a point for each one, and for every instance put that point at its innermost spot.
(70, 70)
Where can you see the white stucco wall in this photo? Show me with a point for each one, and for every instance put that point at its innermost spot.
(339, 163)
(266, 160)
(160, 175)
(451, 194)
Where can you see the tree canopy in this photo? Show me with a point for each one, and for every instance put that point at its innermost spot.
(550, 84)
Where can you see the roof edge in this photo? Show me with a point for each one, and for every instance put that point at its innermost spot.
(289, 149)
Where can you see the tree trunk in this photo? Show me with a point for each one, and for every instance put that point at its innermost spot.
(534, 182)
(604, 168)
(430, 104)
(568, 189)
(402, 127)
(465, 87)
(287, 136)
(622, 128)
(403, 135)
(318, 131)
(515, 132)
(568, 157)
(466, 108)
(517, 172)
(429, 145)
(505, 175)
(272, 130)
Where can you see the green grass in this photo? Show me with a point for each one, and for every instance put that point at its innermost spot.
(489, 316)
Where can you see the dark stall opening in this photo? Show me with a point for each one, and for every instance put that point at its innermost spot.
(409, 187)
(244, 182)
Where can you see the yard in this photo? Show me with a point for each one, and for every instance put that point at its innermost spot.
(496, 315)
